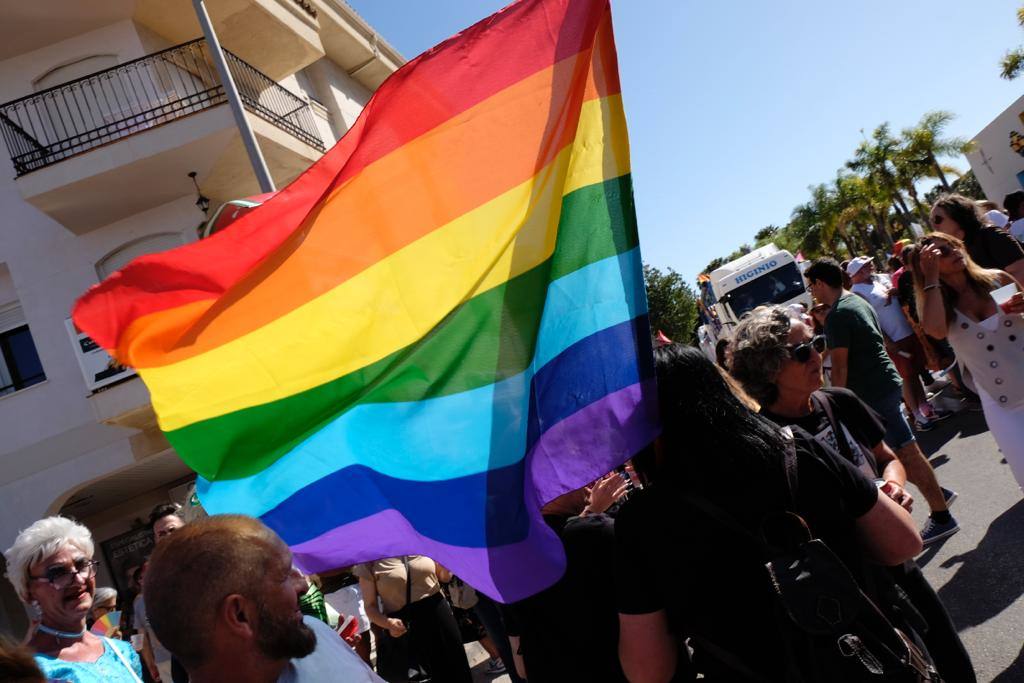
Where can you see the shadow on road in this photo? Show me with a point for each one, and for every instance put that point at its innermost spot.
(929, 553)
(1014, 672)
(962, 425)
(989, 578)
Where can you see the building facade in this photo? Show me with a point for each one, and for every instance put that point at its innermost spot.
(104, 115)
(997, 156)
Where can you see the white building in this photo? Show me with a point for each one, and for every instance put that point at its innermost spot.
(106, 106)
(998, 155)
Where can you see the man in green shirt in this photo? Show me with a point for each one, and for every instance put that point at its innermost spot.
(861, 364)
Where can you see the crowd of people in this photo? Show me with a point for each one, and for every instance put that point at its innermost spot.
(765, 536)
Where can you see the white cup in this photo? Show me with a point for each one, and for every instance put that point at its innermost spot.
(1003, 294)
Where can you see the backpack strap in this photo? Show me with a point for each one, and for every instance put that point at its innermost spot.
(824, 403)
(789, 464)
(408, 580)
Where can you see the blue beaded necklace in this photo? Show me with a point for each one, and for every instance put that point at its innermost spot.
(67, 635)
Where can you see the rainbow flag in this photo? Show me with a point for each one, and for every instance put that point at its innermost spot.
(437, 328)
(107, 624)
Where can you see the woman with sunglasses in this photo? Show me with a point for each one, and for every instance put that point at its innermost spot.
(954, 302)
(51, 568)
(988, 246)
(778, 361)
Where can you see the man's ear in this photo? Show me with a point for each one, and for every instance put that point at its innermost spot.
(237, 615)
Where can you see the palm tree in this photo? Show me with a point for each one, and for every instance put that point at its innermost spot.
(1013, 61)
(859, 205)
(815, 223)
(910, 167)
(924, 144)
(874, 160)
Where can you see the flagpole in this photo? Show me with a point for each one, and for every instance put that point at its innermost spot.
(259, 166)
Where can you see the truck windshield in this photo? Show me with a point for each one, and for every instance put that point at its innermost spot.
(775, 287)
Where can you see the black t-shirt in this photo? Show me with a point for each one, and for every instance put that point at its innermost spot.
(711, 581)
(862, 426)
(570, 631)
(990, 247)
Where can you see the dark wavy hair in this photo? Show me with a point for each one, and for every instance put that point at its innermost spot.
(826, 270)
(163, 510)
(707, 430)
(963, 210)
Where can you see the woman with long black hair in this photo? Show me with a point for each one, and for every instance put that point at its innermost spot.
(682, 576)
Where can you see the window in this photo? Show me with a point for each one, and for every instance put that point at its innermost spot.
(150, 244)
(774, 287)
(19, 362)
(75, 70)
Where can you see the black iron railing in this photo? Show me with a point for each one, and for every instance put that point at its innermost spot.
(264, 97)
(74, 117)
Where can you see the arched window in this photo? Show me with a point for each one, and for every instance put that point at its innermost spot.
(150, 244)
(76, 69)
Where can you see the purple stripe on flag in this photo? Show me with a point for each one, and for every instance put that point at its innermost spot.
(569, 455)
(506, 573)
(594, 440)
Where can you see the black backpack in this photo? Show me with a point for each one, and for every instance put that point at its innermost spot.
(831, 630)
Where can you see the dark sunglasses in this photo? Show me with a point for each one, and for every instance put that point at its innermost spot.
(801, 353)
(937, 220)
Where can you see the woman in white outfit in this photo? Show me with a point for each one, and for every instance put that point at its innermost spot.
(954, 302)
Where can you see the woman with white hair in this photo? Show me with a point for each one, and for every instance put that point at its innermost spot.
(52, 569)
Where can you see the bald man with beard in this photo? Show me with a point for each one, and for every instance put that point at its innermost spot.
(220, 595)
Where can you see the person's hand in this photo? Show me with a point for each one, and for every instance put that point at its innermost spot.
(605, 492)
(353, 639)
(1014, 305)
(929, 260)
(898, 494)
(396, 628)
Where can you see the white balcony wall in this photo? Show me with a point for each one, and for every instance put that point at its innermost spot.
(50, 267)
(339, 92)
(19, 74)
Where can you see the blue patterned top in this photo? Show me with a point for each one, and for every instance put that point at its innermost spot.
(107, 669)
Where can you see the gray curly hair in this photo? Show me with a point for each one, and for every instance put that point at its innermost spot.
(759, 350)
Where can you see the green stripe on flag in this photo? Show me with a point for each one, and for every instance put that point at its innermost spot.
(486, 339)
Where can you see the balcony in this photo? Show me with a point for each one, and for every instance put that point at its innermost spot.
(79, 145)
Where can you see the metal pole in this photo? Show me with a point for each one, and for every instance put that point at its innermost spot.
(259, 166)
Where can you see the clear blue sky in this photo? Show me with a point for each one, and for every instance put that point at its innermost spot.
(733, 111)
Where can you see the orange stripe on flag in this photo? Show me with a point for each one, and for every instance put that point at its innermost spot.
(392, 203)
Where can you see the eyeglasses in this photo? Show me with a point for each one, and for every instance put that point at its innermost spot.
(801, 353)
(937, 220)
(61, 577)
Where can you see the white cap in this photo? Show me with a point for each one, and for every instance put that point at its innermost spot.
(854, 266)
(997, 218)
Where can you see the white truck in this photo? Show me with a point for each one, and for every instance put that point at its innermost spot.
(767, 275)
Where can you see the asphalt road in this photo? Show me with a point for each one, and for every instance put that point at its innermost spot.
(978, 572)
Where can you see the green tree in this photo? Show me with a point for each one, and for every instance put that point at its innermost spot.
(968, 185)
(874, 160)
(714, 264)
(765, 235)
(925, 143)
(1013, 61)
(671, 303)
